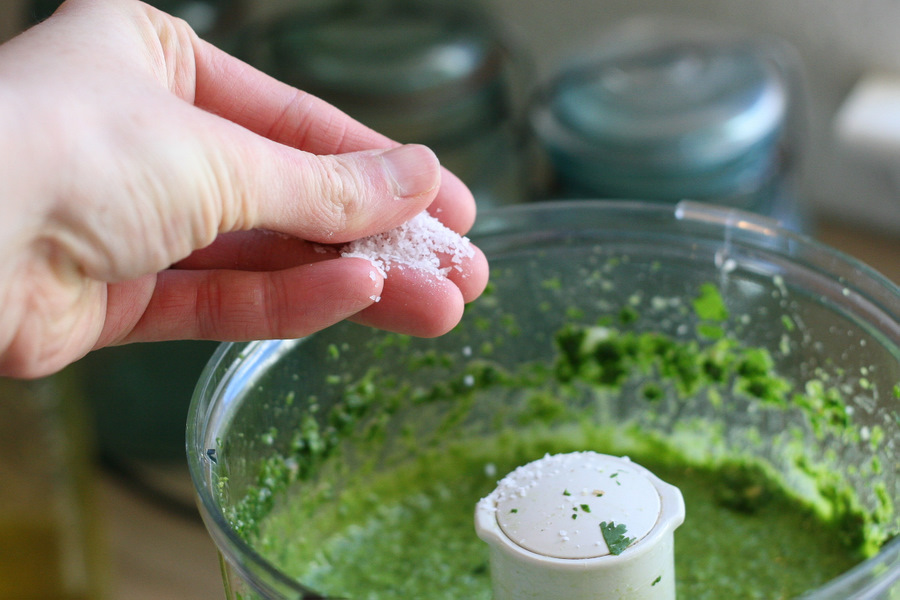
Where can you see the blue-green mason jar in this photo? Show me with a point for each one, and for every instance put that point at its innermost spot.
(671, 110)
(432, 72)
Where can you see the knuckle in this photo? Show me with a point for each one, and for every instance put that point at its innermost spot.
(341, 195)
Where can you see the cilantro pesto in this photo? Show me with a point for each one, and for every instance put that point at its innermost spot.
(409, 533)
(370, 494)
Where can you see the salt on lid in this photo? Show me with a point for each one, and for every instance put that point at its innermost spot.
(420, 243)
(599, 525)
(555, 506)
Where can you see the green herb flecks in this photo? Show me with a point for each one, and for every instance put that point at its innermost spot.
(788, 323)
(712, 312)
(609, 358)
(615, 537)
(709, 305)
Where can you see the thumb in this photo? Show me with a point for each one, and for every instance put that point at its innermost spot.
(341, 197)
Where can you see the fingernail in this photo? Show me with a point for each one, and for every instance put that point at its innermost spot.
(414, 169)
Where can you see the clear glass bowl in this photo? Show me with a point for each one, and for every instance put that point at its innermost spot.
(280, 423)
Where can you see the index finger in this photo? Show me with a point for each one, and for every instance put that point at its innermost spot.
(240, 93)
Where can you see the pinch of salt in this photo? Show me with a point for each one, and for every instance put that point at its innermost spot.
(419, 243)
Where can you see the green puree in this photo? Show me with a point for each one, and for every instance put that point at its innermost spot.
(450, 424)
(411, 534)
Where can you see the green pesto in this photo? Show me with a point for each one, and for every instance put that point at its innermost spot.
(335, 529)
(602, 357)
(410, 534)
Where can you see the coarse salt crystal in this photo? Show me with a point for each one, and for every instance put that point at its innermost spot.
(419, 243)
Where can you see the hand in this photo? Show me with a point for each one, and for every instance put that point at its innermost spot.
(153, 188)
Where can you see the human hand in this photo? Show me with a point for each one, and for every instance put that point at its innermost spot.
(153, 187)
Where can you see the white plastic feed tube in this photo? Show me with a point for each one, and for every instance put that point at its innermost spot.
(581, 526)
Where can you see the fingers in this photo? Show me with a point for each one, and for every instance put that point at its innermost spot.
(257, 250)
(348, 196)
(236, 91)
(203, 300)
(295, 302)
(245, 305)
(471, 276)
(321, 198)
(415, 303)
(418, 303)
(239, 93)
(266, 251)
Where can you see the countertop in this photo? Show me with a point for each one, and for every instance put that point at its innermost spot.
(156, 553)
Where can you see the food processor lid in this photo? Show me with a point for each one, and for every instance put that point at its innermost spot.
(554, 507)
(381, 51)
(592, 524)
(668, 104)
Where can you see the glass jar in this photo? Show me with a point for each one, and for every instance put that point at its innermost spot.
(209, 18)
(666, 110)
(430, 72)
(49, 535)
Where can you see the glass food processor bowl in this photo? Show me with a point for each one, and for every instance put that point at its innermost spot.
(702, 339)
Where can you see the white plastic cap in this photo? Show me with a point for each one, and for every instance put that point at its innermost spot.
(581, 526)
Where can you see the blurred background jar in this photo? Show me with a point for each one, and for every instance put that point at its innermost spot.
(434, 72)
(50, 545)
(673, 109)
